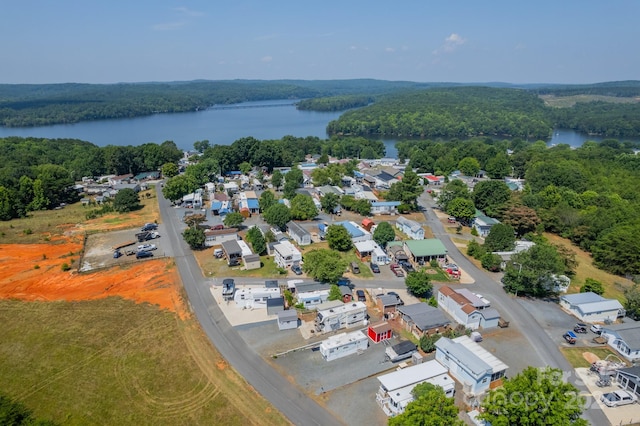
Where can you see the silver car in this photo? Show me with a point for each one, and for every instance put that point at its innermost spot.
(618, 397)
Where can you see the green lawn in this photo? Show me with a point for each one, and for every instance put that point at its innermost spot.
(577, 360)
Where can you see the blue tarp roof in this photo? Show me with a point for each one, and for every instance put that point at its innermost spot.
(352, 230)
(385, 203)
(358, 174)
(216, 205)
(252, 203)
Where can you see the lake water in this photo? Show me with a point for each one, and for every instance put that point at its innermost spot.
(220, 125)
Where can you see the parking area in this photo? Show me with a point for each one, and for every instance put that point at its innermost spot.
(623, 415)
(99, 248)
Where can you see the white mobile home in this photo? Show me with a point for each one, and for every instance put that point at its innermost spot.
(311, 299)
(346, 316)
(288, 320)
(254, 297)
(343, 344)
(286, 254)
(413, 229)
(591, 307)
(395, 389)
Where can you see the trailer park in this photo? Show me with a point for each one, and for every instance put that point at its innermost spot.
(359, 355)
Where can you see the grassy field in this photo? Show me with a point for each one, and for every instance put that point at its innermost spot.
(45, 225)
(613, 284)
(569, 101)
(576, 358)
(114, 362)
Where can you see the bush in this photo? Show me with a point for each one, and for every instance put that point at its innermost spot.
(65, 267)
(475, 250)
(433, 263)
(491, 262)
(474, 232)
(592, 285)
(428, 343)
(36, 267)
(27, 231)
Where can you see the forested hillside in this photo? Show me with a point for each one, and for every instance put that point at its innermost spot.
(448, 113)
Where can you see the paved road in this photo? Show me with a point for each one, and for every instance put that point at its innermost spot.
(544, 351)
(296, 406)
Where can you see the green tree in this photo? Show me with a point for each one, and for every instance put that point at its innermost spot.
(591, 285)
(362, 207)
(324, 265)
(276, 179)
(267, 199)
(194, 237)
(179, 186)
(13, 413)
(323, 159)
(40, 200)
(329, 202)
(407, 190)
(193, 220)
(534, 397)
(126, 200)
(618, 251)
(258, 243)
(490, 195)
(201, 146)
(303, 207)
(430, 407)
(233, 220)
(632, 304)
(384, 234)
(469, 166)
(523, 219)
(245, 167)
(452, 190)
(7, 204)
(532, 272)
(475, 250)
(498, 167)
(491, 262)
(462, 209)
(334, 292)
(338, 238)
(428, 342)
(277, 215)
(169, 170)
(419, 283)
(292, 181)
(501, 238)
(56, 184)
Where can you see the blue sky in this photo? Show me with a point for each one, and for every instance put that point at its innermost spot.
(110, 41)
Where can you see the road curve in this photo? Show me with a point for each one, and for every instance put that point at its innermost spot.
(286, 397)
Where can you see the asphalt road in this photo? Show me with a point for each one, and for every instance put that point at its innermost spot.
(289, 400)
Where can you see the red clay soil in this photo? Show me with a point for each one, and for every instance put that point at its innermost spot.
(34, 272)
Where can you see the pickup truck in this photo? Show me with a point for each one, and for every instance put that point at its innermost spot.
(570, 337)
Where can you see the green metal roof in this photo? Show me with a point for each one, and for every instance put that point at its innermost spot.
(428, 247)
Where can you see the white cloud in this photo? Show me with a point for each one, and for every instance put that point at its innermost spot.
(188, 12)
(389, 49)
(266, 59)
(451, 43)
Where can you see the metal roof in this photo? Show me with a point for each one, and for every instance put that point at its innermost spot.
(424, 316)
(472, 357)
(427, 247)
(411, 375)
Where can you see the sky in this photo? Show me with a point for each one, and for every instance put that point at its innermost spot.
(110, 41)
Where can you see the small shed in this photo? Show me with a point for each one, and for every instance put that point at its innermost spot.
(387, 303)
(275, 305)
(347, 295)
(400, 351)
(367, 224)
(232, 252)
(251, 261)
(288, 320)
(379, 332)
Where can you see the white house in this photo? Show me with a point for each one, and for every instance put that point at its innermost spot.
(311, 299)
(413, 229)
(624, 338)
(370, 249)
(286, 254)
(467, 308)
(470, 364)
(384, 207)
(394, 393)
(483, 223)
(591, 307)
(288, 320)
(343, 344)
(298, 233)
(254, 297)
(348, 315)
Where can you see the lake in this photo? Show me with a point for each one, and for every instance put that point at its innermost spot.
(220, 125)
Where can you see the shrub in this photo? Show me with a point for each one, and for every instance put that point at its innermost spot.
(27, 231)
(36, 267)
(474, 232)
(65, 267)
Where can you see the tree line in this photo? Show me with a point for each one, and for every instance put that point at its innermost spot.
(39, 174)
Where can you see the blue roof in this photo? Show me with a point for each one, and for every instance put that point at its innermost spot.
(234, 172)
(358, 174)
(216, 205)
(385, 203)
(252, 203)
(352, 230)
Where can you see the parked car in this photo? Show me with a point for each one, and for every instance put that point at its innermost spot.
(580, 328)
(218, 227)
(218, 253)
(407, 267)
(354, 267)
(117, 254)
(296, 269)
(345, 281)
(374, 268)
(147, 247)
(361, 296)
(149, 227)
(596, 328)
(570, 337)
(143, 254)
(618, 397)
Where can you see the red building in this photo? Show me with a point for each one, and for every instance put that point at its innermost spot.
(379, 332)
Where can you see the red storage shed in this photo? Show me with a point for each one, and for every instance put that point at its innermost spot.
(379, 332)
